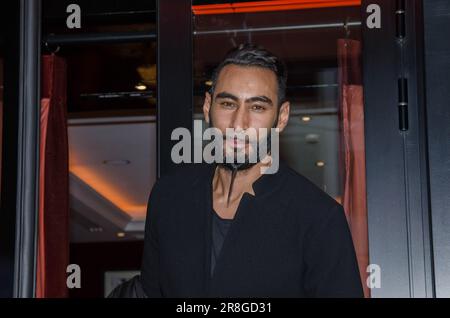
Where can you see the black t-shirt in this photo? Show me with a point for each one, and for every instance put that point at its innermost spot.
(220, 228)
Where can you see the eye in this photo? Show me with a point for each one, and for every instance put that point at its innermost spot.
(258, 108)
(227, 105)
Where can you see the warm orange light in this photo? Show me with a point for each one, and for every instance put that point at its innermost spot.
(275, 5)
(108, 192)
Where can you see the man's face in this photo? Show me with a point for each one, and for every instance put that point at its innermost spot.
(245, 97)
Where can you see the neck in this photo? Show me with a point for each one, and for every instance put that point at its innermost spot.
(243, 182)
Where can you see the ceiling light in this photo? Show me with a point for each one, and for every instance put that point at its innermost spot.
(141, 87)
(120, 234)
(320, 163)
(306, 118)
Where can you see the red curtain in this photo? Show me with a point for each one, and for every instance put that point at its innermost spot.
(353, 149)
(53, 221)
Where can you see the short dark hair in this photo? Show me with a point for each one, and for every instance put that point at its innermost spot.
(252, 55)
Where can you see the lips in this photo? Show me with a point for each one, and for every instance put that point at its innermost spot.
(239, 143)
(236, 143)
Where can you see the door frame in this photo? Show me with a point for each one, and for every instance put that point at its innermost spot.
(437, 62)
(20, 162)
(396, 156)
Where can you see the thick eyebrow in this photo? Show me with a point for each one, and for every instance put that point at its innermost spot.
(262, 99)
(227, 95)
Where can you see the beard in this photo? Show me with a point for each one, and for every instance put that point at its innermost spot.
(247, 163)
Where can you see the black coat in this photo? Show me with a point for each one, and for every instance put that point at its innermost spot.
(289, 240)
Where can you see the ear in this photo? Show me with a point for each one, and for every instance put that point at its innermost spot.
(206, 106)
(283, 116)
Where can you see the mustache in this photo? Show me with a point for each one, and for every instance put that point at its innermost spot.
(246, 140)
(241, 137)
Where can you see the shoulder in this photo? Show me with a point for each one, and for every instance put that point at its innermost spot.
(183, 179)
(177, 189)
(304, 195)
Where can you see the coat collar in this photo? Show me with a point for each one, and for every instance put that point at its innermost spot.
(264, 185)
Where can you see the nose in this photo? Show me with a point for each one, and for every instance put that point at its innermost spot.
(240, 119)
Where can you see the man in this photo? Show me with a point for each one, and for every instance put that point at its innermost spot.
(226, 229)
